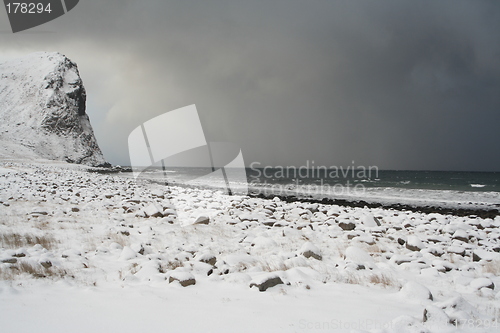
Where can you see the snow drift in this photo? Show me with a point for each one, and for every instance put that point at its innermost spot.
(42, 111)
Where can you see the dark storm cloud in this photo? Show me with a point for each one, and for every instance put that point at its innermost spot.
(398, 84)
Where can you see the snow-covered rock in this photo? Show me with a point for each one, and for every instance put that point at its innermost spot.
(482, 283)
(207, 258)
(435, 315)
(309, 250)
(266, 281)
(153, 210)
(184, 278)
(203, 219)
(371, 221)
(413, 243)
(414, 290)
(42, 111)
(358, 255)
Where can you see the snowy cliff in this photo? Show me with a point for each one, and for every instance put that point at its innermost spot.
(42, 111)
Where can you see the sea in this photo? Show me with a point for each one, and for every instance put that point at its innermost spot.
(452, 189)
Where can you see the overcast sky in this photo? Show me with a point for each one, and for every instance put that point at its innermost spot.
(397, 84)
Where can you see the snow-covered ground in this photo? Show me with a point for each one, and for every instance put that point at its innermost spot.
(81, 251)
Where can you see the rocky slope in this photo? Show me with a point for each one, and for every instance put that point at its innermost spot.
(42, 111)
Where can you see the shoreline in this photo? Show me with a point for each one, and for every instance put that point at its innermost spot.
(463, 212)
(466, 211)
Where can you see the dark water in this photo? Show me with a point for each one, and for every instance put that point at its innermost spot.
(425, 180)
(440, 188)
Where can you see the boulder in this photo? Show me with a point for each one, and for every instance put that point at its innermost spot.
(415, 290)
(435, 315)
(413, 243)
(184, 278)
(461, 235)
(266, 281)
(371, 221)
(46, 264)
(203, 219)
(309, 250)
(346, 225)
(482, 283)
(207, 258)
(153, 210)
(9, 261)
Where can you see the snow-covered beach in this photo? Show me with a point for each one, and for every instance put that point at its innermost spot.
(83, 251)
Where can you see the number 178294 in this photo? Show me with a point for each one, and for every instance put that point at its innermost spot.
(27, 8)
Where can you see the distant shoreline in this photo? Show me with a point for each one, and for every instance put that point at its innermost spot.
(482, 213)
(354, 203)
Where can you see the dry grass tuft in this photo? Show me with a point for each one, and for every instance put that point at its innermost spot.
(375, 249)
(382, 279)
(271, 266)
(351, 278)
(35, 270)
(134, 268)
(15, 240)
(119, 238)
(169, 266)
(492, 267)
(6, 274)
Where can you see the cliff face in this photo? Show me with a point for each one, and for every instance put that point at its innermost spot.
(42, 110)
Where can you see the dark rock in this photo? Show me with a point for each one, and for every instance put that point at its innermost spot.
(269, 223)
(309, 254)
(412, 247)
(460, 238)
(39, 213)
(347, 225)
(268, 283)
(184, 283)
(46, 264)
(9, 261)
(211, 260)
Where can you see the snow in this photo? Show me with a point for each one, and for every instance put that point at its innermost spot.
(358, 255)
(115, 269)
